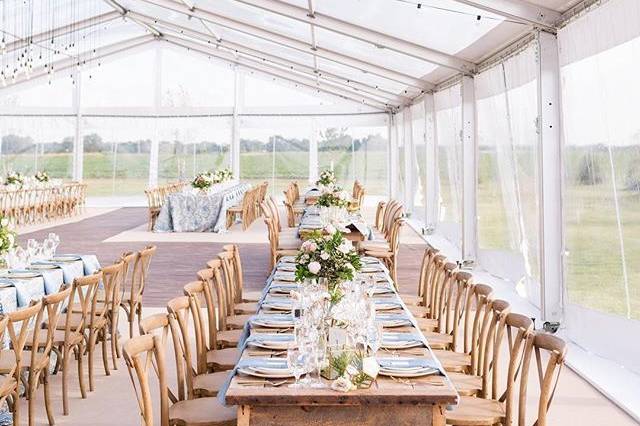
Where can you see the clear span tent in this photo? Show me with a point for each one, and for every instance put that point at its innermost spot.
(509, 128)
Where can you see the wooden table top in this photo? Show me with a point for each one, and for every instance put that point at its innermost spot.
(427, 390)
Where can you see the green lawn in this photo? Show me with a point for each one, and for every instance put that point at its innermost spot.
(594, 265)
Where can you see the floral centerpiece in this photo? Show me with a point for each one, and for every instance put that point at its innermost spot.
(41, 177)
(14, 178)
(327, 178)
(202, 181)
(222, 175)
(7, 238)
(334, 197)
(329, 256)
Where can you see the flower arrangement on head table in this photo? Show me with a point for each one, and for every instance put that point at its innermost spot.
(14, 178)
(329, 256)
(41, 177)
(327, 178)
(333, 197)
(7, 236)
(207, 179)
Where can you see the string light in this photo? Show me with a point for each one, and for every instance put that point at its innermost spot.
(420, 5)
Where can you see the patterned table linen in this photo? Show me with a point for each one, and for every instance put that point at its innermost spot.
(17, 292)
(198, 212)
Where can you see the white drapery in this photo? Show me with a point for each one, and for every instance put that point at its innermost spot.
(600, 58)
(448, 113)
(508, 184)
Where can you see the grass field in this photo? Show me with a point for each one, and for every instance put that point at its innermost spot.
(593, 267)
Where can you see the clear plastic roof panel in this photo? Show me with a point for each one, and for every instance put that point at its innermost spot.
(444, 25)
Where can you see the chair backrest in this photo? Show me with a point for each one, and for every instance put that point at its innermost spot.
(52, 304)
(519, 336)
(554, 349)
(427, 270)
(229, 274)
(452, 295)
(140, 272)
(216, 311)
(140, 353)
(237, 266)
(7, 383)
(274, 237)
(477, 311)
(394, 235)
(20, 323)
(181, 317)
(380, 209)
(85, 291)
(492, 326)
(201, 292)
(221, 289)
(111, 282)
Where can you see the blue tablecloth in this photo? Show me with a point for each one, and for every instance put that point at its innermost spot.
(17, 293)
(198, 211)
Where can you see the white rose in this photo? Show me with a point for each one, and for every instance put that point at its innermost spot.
(5, 222)
(314, 267)
(330, 229)
(342, 384)
(324, 255)
(11, 239)
(345, 247)
(313, 247)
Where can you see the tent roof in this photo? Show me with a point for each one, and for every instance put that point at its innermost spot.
(381, 53)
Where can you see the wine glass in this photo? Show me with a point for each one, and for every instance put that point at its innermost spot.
(374, 337)
(320, 357)
(296, 363)
(32, 250)
(55, 242)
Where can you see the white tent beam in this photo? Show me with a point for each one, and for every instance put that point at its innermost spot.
(101, 52)
(123, 12)
(60, 31)
(295, 43)
(349, 83)
(368, 35)
(319, 75)
(550, 172)
(280, 73)
(519, 11)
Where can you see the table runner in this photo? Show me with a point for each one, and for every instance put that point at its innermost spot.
(199, 212)
(427, 354)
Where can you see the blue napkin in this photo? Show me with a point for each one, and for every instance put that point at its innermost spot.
(401, 337)
(90, 262)
(53, 279)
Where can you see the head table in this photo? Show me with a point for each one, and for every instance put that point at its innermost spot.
(422, 400)
(194, 210)
(19, 288)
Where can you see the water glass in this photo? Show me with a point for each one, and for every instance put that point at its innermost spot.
(297, 364)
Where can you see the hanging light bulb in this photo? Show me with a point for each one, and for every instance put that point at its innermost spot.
(3, 80)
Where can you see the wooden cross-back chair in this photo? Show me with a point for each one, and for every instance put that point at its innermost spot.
(225, 337)
(245, 296)
(70, 337)
(40, 343)
(132, 303)
(13, 360)
(500, 404)
(387, 253)
(8, 382)
(477, 382)
(475, 311)
(143, 352)
(421, 301)
(184, 315)
(215, 358)
(234, 287)
(278, 248)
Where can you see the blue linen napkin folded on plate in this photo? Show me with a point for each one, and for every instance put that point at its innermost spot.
(70, 271)
(401, 337)
(53, 279)
(90, 262)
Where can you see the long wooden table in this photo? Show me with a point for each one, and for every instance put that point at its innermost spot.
(389, 401)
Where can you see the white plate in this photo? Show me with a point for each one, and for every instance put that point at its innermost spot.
(277, 307)
(21, 275)
(250, 372)
(272, 324)
(401, 344)
(394, 323)
(425, 371)
(66, 259)
(278, 346)
(43, 266)
(387, 306)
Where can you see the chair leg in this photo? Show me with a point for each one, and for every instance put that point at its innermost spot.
(16, 407)
(114, 342)
(47, 396)
(65, 374)
(130, 315)
(139, 312)
(91, 346)
(105, 355)
(31, 395)
(83, 390)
